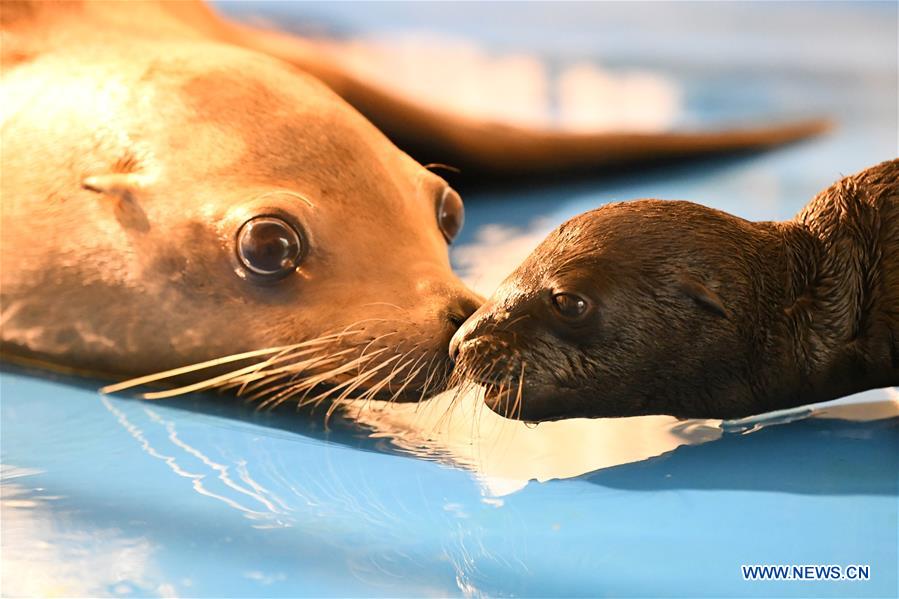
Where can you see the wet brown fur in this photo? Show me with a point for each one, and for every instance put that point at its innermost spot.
(703, 314)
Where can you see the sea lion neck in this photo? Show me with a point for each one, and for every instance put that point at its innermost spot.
(842, 280)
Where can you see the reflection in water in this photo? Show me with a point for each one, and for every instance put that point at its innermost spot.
(42, 557)
(458, 76)
(231, 495)
(506, 454)
(316, 501)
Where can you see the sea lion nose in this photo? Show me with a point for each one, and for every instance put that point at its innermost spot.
(454, 344)
(467, 329)
(460, 309)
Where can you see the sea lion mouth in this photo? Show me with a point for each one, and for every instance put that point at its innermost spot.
(502, 383)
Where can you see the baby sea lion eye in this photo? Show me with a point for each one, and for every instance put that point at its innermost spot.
(269, 246)
(450, 214)
(570, 306)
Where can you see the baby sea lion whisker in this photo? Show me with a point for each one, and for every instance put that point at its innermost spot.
(521, 378)
(516, 407)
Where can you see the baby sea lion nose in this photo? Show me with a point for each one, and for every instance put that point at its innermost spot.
(470, 328)
(454, 345)
(458, 313)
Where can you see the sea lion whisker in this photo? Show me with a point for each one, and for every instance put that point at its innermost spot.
(410, 376)
(372, 342)
(274, 384)
(387, 380)
(373, 390)
(283, 386)
(360, 380)
(310, 383)
(291, 375)
(297, 368)
(401, 309)
(354, 383)
(429, 376)
(280, 351)
(399, 366)
(262, 376)
(516, 408)
(200, 386)
(158, 376)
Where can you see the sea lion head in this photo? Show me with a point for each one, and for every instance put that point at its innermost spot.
(633, 308)
(179, 203)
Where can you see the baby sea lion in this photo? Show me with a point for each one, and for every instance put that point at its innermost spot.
(167, 201)
(664, 307)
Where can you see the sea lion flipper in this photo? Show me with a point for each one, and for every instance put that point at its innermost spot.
(479, 146)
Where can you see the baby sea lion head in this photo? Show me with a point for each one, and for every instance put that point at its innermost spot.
(629, 309)
(197, 203)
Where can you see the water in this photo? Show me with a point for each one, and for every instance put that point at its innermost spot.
(203, 496)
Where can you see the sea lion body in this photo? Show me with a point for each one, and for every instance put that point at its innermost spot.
(131, 161)
(660, 307)
(477, 147)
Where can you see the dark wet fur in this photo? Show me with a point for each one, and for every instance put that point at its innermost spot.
(703, 314)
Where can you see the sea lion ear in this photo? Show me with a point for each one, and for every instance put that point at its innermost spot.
(123, 189)
(116, 184)
(702, 295)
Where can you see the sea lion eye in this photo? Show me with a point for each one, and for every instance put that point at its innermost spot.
(267, 245)
(450, 214)
(569, 305)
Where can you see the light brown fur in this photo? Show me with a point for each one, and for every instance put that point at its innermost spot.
(192, 138)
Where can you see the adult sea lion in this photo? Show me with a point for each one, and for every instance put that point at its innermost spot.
(663, 307)
(169, 200)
